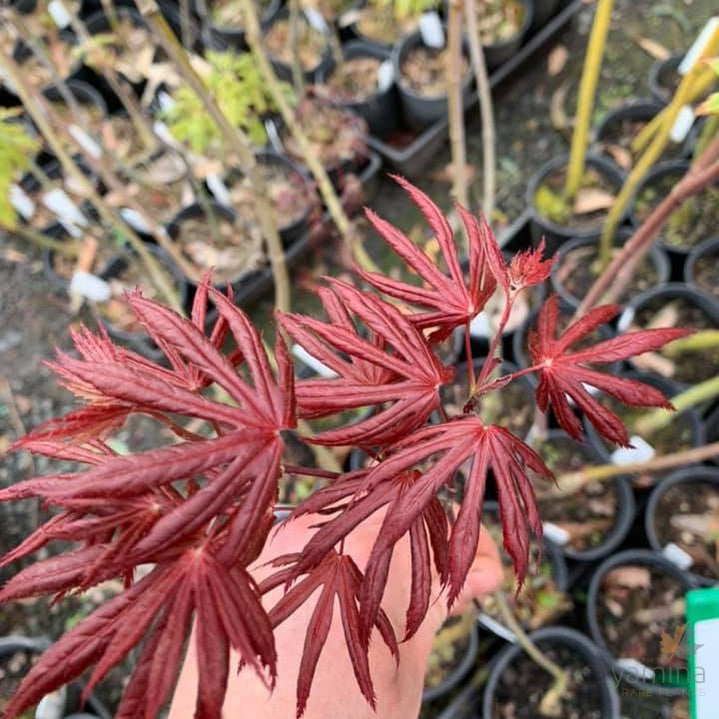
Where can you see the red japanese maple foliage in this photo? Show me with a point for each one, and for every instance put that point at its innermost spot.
(199, 510)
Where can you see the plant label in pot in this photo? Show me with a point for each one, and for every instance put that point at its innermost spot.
(430, 27)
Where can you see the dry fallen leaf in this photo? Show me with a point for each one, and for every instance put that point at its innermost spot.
(591, 199)
(630, 577)
(557, 59)
(653, 48)
(620, 155)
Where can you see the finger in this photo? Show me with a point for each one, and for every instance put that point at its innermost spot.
(484, 576)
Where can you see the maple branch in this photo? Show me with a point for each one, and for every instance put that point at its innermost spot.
(570, 483)
(548, 705)
(455, 106)
(298, 80)
(484, 372)
(66, 249)
(486, 110)
(618, 273)
(660, 418)
(324, 184)
(468, 359)
(237, 142)
(311, 471)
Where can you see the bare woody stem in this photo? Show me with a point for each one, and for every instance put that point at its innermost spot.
(660, 418)
(324, 184)
(455, 106)
(157, 277)
(585, 102)
(298, 79)
(66, 249)
(615, 278)
(237, 142)
(489, 174)
(572, 482)
(560, 676)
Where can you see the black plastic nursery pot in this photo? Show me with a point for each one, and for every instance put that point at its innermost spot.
(420, 110)
(694, 309)
(619, 127)
(664, 78)
(553, 233)
(701, 212)
(497, 53)
(221, 36)
(688, 491)
(597, 692)
(381, 109)
(66, 702)
(572, 273)
(686, 431)
(653, 573)
(543, 12)
(81, 91)
(701, 270)
(461, 668)
(24, 6)
(607, 509)
(283, 68)
(294, 229)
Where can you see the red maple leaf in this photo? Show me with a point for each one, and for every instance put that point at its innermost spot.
(340, 578)
(528, 268)
(446, 301)
(563, 374)
(395, 366)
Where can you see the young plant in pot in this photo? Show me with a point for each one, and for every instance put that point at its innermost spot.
(420, 65)
(678, 305)
(635, 600)
(383, 22)
(682, 521)
(702, 267)
(517, 686)
(336, 136)
(311, 49)
(364, 82)
(224, 22)
(199, 511)
(292, 197)
(576, 269)
(502, 25)
(570, 196)
(694, 220)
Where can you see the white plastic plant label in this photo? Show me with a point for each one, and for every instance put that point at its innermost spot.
(315, 19)
(556, 534)
(218, 188)
(682, 124)
(430, 27)
(676, 555)
(165, 101)
(85, 141)
(163, 133)
(23, 205)
(625, 320)
(635, 669)
(642, 451)
(706, 643)
(135, 220)
(311, 361)
(89, 286)
(479, 326)
(66, 210)
(59, 14)
(697, 47)
(385, 75)
(494, 626)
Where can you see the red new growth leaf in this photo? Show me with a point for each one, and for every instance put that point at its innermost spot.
(445, 301)
(564, 374)
(527, 268)
(395, 366)
(339, 578)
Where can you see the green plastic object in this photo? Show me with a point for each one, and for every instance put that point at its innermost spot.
(703, 652)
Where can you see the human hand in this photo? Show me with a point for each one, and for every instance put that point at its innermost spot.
(334, 693)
